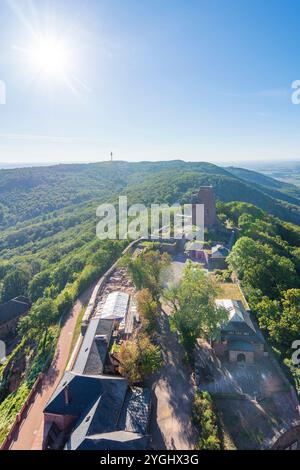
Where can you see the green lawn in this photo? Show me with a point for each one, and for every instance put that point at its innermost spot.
(232, 291)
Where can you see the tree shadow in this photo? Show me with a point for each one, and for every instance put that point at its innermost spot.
(175, 383)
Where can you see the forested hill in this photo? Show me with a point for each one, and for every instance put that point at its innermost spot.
(271, 186)
(49, 250)
(35, 193)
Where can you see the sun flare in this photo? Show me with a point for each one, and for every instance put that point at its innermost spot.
(50, 52)
(50, 56)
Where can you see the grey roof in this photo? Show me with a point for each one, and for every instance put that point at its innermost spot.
(238, 319)
(102, 416)
(234, 327)
(13, 309)
(135, 413)
(247, 338)
(118, 440)
(107, 413)
(94, 349)
(241, 346)
(219, 251)
(83, 390)
(126, 410)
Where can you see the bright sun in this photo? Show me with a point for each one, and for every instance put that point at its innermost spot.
(51, 56)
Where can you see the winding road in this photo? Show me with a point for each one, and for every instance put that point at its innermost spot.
(30, 434)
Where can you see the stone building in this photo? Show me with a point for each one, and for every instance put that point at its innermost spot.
(88, 412)
(206, 197)
(239, 340)
(258, 405)
(217, 258)
(10, 313)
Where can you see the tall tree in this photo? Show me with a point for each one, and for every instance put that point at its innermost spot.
(257, 265)
(148, 270)
(42, 315)
(281, 319)
(15, 283)
(148, 309)
(195, 313)
(139, 359)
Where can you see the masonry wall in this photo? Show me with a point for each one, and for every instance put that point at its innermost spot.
(206, 197)
(289, 438)
(258, 350)
(220, 349)
(249, 356)
(63, 422)
(8, 327)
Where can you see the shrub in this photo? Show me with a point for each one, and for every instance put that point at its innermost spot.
(205, 421)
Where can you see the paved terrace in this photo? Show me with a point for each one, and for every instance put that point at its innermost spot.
(254, 401)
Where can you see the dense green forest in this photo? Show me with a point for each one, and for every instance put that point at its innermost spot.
(48, 214)
(266, 258)
(39, 194)
(49, 250)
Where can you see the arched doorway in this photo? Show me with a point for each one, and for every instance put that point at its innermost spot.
(241, 357)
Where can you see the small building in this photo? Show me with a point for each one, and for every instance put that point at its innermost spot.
(258, 405)
(112, 320)
(93, 354)
(217, 259)
(10, 313)
(97, 413)
(239, 340)
(195, 251)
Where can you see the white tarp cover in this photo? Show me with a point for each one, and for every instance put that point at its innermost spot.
(115, 307)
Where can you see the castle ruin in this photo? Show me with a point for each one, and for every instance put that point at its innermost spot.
(206, 197)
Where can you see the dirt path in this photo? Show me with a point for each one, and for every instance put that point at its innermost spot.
(30, 434)
(171, 426)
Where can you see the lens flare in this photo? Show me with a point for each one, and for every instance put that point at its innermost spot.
(51, 56)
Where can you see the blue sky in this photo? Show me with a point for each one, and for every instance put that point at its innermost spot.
(205, 80)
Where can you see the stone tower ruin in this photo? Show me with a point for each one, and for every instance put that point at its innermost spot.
(206, 197)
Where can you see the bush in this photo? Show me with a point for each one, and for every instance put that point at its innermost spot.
(205, 421)
(149, 310)
(139, 359)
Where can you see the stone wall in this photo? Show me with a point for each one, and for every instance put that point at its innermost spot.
(63, 422)
(234, 356)
(206, 197)
(8, 327)
(290, 439)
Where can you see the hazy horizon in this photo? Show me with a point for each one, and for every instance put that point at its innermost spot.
(250, 164)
